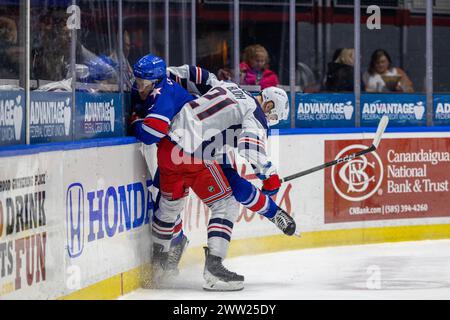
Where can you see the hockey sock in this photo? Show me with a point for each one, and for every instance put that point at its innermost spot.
(177, 239)
(248, 195)
(177, 232)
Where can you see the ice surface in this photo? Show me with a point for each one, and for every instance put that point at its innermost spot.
(407, 270)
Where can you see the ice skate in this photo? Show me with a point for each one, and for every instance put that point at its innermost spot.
(284, 222)
(219, 278)
(159, 265)
(175, 254)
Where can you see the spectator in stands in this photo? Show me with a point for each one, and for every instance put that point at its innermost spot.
(340, 74)
(50, 56)
(383, 77)
(127, 70)
(51, 59)
(337, 53)
(10, 52)
(254, 69)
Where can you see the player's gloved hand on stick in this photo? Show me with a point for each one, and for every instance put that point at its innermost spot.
(271, 185)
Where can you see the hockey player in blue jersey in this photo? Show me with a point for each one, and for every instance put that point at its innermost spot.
(156, 98)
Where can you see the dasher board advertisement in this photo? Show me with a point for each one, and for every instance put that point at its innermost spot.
(403, 178)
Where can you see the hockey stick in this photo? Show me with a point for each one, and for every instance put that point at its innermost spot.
(376, 141)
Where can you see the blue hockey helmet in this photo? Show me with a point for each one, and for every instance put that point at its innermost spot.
(150, 67)
(101, 68)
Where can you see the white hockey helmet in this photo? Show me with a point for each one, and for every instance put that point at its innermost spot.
(280, 101)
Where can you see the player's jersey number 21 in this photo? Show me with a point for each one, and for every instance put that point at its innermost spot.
(211, 103)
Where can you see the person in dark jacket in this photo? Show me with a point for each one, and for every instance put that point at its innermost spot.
(340, 74)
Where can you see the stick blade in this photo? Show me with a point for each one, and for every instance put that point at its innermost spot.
(380, 130)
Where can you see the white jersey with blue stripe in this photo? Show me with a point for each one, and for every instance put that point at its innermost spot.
(225, 115)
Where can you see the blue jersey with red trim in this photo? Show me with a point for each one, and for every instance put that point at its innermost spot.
(158, 110)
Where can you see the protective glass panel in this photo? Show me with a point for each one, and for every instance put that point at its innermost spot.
(12, 72)
(180, 32)
(156, 34)
(12, 43)
(310, 64)
(136, 39)
(51, 101)
(97, 46)
(339, 49)
(325, 63)
(99, 108)
(393, 66)
(215, 38)
(441, 63)
(264, 42)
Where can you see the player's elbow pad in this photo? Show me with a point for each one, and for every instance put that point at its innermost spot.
(144, 136)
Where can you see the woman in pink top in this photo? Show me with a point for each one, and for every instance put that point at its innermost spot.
(254, 68)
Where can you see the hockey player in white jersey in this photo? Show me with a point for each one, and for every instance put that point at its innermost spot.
(183, 163)
(228, 109)
(164, 103)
